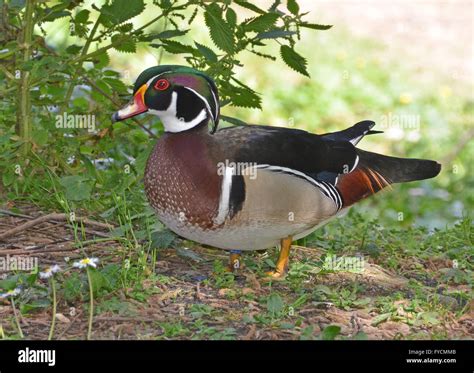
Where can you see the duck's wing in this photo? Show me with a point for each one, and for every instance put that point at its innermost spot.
(291, 150)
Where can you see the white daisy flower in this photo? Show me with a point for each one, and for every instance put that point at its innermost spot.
(50, 271)
(11, 293)
(86, 262)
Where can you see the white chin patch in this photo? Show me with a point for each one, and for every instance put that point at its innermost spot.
(170, 120)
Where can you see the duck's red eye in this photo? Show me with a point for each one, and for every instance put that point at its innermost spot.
(162, 84)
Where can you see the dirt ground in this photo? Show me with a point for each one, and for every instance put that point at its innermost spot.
(167, 311)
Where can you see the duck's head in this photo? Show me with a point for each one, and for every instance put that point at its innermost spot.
(182, 97)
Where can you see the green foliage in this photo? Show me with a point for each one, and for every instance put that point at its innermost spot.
(220, 31)
(58, 81)
(119, 11)
(330, 332)
(294, 60)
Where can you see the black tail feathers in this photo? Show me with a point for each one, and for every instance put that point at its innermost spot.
(398, 170)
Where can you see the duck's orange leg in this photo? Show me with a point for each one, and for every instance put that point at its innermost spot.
(281, 268)
(235, 262)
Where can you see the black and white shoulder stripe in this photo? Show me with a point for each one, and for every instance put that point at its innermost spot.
(326, 188)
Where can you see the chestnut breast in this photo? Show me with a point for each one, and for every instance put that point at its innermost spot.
(181, 179)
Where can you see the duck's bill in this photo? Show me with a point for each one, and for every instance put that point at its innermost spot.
(134, 107)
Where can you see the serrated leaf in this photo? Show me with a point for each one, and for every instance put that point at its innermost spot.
(314, 26)
(294, 60)
(231, 17)
(247, 5)
(126, 27)
(275, 34)
(207, 52)
(101, 60)
(120, 11)
(221, 33)
(293, 7)
(127, 45)
(168, 34)
(262, 23)
(244, 97)
(116, 84)
(174, 47)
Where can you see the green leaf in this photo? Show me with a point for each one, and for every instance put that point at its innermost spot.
(127, 46)
(122, 10)
(126, 27)
(72, 287)
(245, 97)
(207, 52)
(55, 15)
(314, 26)
(274, 34)
(76, 187)
(124, 43)
(73, 49)
(116, 84)
(35, 305)
(262, 23)
(380, 318)
(174, 47)
(330, 332)
(221, 33)
(233, 120)
(162, 239)
(275, 304)
(168, 34)
(293, 7)
(247, 5)
(294, 60)
(102, 60)
(231, 17)
(98, 280)
(82, 16)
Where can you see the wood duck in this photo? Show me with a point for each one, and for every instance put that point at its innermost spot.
(251, 187)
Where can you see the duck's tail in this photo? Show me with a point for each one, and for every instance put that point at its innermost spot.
(374, 172)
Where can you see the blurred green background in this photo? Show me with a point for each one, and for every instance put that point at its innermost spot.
(406, 66)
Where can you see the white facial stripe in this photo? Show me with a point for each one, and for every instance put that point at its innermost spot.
(224, 200)
(156, 76)
(216, 112)
(174, 124)
(201, 97)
